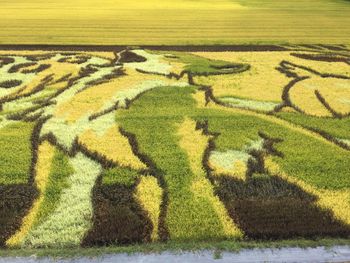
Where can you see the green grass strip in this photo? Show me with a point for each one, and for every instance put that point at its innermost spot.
(15, 153)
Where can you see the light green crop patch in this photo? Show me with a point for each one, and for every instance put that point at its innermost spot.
(61, 169)
(71, 219)
(347, 142)
(226, 160)
(249, 104)
(153, 64)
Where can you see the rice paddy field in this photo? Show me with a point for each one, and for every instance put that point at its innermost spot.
(137, 146)
(158, 125)
(173, 22)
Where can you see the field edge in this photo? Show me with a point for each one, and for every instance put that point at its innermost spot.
(171, 246)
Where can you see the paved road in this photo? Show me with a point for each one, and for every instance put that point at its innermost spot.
(319, 254)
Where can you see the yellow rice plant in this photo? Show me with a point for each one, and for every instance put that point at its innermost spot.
(57, 69)
(337, 68)
(45, 155)
(113, 146)
(194, 144)
(149, 194)
(262, 82)
(335, 91)
(93, 99)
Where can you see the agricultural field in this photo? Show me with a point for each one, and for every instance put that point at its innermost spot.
(174, 22)
(147, 146)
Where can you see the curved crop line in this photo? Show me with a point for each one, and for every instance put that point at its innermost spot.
(323, 57)
(209, 96)
(17, 67)
(285, 64)
(25, 114)
(286, 101)
(285, 68)
(39, 57)
(328, 137)
(328, 107)
(40, 87)
(97, 115)
(35, 142)
(163, 231)
(335, 47)
(79, 148)
(270, 118)
(48, 101)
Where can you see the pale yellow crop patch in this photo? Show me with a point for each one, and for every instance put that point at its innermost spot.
(337, 68)
(113, 146)
(238, 171)
(262, 82)
(101, 54)
(335, 91)
(57, 70)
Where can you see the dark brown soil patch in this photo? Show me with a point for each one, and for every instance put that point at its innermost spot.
(15, 202)
(7, 84)
(118, 218)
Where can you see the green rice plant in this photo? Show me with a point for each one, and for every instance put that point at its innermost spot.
(119, 175)
(338, 128)
(151, 117)
(187, 217)
(305, 157)
(16, 153)
(61, 169)
(197, 65)
(150, 154)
